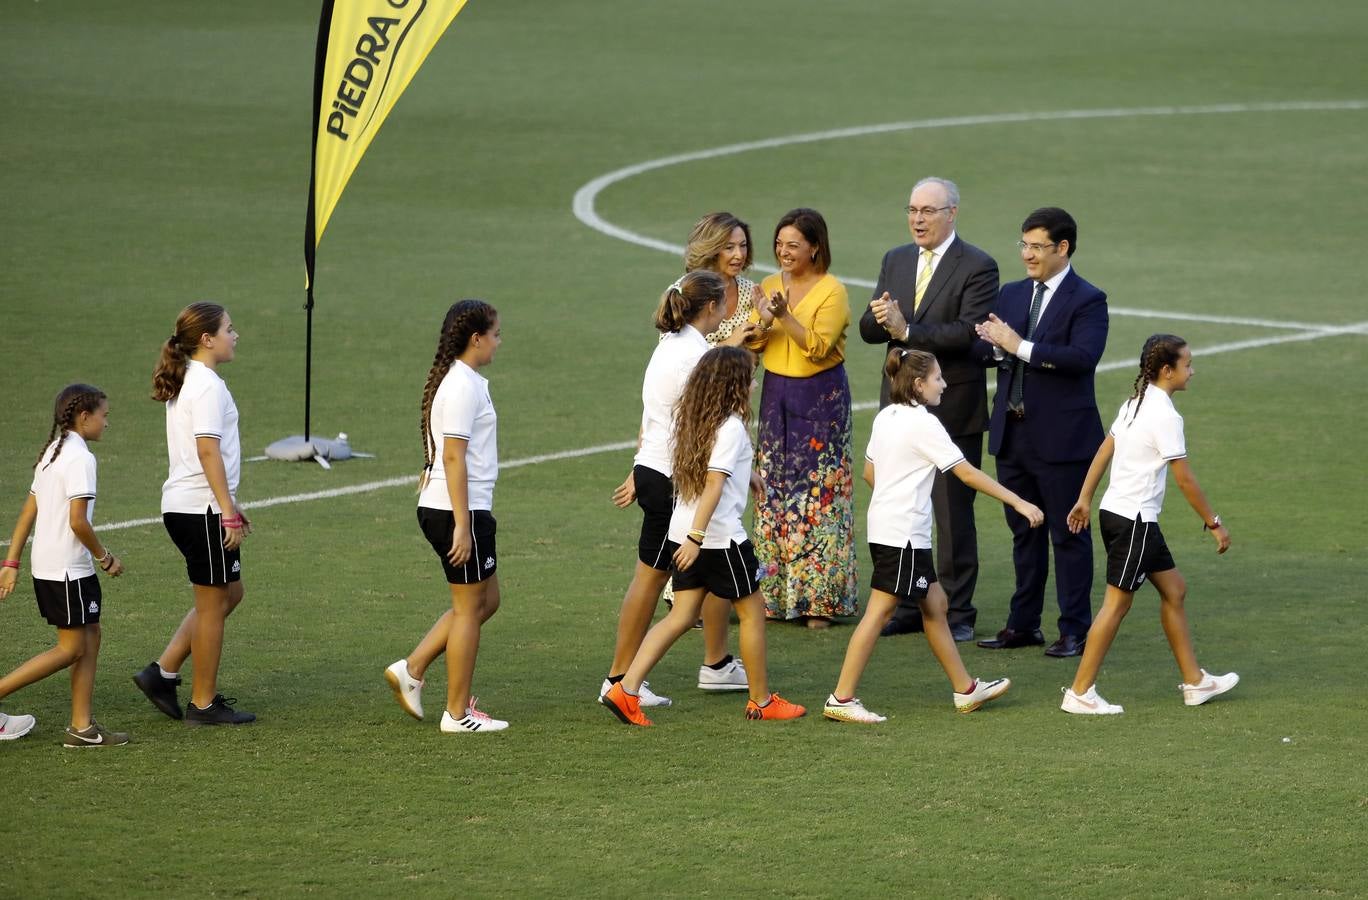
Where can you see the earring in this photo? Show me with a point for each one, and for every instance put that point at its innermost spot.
(814, 257)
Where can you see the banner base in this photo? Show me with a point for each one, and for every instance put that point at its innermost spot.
(323, 451)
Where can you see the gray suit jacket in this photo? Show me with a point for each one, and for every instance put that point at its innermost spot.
(962, 292)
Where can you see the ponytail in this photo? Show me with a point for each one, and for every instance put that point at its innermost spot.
(903, 368)
(687, 299)
(195, 320)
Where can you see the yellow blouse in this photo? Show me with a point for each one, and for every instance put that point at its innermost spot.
(824, 312)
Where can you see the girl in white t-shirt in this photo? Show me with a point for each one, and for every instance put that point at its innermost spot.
(1144, 444)
(455, 502)
(200, 510)
(906, 449)
(688, 311)
(59, 511)
(711, 458)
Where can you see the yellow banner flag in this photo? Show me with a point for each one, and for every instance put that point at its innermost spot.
(368, 52)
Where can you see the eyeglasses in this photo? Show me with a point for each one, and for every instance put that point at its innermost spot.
(1036, 248)
(925, 212)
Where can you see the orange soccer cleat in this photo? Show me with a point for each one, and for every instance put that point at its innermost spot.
(775, 709)
(624, 706)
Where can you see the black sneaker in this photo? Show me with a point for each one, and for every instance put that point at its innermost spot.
(219, 712)
(160, 690)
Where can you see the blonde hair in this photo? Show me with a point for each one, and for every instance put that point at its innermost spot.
(709, 238)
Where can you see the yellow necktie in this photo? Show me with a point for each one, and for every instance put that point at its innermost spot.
(923, 278)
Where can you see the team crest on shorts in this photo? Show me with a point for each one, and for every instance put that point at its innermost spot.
(94, 607)
(237, 565)
(921, 582)
(489, 562)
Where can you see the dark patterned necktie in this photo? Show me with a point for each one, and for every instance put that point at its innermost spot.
(1019, 370)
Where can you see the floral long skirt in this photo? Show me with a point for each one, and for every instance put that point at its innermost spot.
(804, 531)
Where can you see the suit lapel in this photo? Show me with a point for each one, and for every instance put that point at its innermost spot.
(1062, 299)
(939, 278)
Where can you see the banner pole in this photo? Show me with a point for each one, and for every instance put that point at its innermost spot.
(308, 358)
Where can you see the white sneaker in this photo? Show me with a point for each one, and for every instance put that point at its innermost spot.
(472, 721)
(851, 710)
(983, 692)
(407, 689)
(13, 727)
(1211, 686)
(1088, 703)
(731, 677)
(645, 696)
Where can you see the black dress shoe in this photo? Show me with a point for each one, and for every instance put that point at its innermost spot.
(962, 632)
(1010, 639)
(1067, 645)
(903, 626)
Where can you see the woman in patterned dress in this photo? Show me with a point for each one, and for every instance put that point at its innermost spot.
(804, 531)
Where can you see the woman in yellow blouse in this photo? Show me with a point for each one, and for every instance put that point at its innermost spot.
(804, 534)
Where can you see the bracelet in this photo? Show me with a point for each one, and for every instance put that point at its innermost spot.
(9, 564)
(699, 532)
(107, 558)
(232, 521)
(694, 540)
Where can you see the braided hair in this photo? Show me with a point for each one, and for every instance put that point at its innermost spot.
(1160, 350)
(195, 320)
(71, 401)
(464, 319)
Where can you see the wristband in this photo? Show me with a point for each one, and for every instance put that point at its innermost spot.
(232, 521)
(9, 563)
(694, 540)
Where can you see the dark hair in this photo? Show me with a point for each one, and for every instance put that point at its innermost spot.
(903, 368)
(1160, 350)
(464, 319)
(1060, 225)
(683, 303)
(718, 387)
(195, 320)
(709, 238)
(814, 230)
(71, 401)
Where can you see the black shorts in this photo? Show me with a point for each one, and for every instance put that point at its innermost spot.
(438, 526)
(199, 538)
(902, 571)
(1134, 549)
(655, 496)
(69, 604)
(731, 573)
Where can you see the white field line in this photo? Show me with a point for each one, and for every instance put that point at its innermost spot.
(411, 479)
(585, 200)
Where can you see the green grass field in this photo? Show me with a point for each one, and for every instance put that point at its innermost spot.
(156, 153)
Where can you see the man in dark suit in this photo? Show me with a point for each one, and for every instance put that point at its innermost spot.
(1045, 426)
(931, 293)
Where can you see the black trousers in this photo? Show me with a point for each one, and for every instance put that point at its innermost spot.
(957, 566)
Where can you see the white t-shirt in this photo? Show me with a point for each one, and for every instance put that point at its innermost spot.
(1145, 444)
(906, 446)
(203, 408)
(731, 454)
(462, 409)
(670, 366)
(57, 553)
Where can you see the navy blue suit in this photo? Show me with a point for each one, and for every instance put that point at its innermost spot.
(1044, 455)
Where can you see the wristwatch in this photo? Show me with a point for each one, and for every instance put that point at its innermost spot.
(1215, 523)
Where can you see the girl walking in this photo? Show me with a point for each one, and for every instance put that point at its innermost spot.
(58, 512)
(199, 509)
(711, 459)
(1145, 443)
(456, 496)
(688, 312)
(906, 449)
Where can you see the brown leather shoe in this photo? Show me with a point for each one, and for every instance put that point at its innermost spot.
(1067, 645)
(1010, 639)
